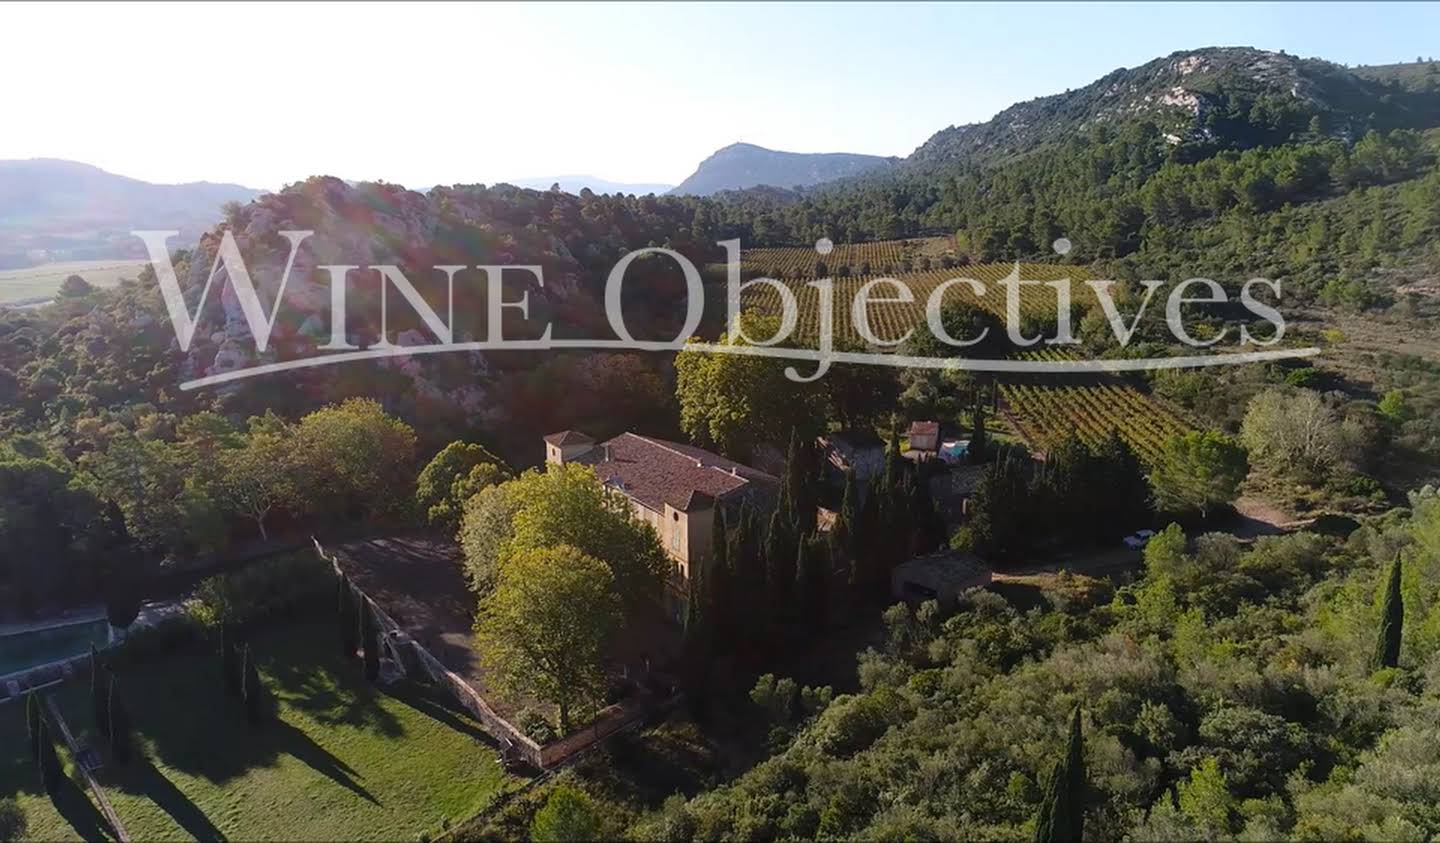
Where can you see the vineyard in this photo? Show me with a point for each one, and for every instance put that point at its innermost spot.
(885, 257)
(1046, 410)
(890, 321)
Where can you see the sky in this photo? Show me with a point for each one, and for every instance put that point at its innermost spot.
(267, 94)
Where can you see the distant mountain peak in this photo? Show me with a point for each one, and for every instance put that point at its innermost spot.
(744, 165)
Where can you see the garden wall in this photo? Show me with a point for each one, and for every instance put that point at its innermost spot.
(412, 656)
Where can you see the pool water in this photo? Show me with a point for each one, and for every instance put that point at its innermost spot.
(24, 650)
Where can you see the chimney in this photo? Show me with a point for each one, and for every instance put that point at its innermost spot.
(605, 452)
(734, 472)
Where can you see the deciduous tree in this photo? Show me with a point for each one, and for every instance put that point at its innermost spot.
(545, 628)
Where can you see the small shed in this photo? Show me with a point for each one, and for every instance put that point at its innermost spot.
(938, 576)
(924, 437)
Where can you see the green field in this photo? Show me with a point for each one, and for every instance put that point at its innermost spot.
(342, 761)
(41, 282)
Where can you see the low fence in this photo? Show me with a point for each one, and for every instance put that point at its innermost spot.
(410, 654)
(109, 813)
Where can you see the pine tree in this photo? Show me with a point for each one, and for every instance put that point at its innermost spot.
(230, 660)
(34, 724)
(119, 730)
(1392, 622)
(253, 689)
(349, 624)
(1062, 810)
(99, 693)
(369, 639)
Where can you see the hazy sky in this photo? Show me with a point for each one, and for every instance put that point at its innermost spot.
(268, 94)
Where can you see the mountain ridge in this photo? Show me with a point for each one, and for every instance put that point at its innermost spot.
(745, 165)
(52, 209)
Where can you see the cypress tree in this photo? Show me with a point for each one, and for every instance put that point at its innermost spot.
(345, 609)
(842, 532)
(99, 693)
(1062, 811)
(697, 633)
(254, 690)
(48, 760)
(780, 549)
(230, 660)
(812, 580)
(869, 549)
(1392, 622)
(119, 726)
(978, 444)
(34, 725)
(718, 582)
(369, 639)
(928, 526)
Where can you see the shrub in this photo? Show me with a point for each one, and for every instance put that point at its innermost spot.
(851, 724)
(12, 820)
(262, 589)
(567, 815)
(535, 726)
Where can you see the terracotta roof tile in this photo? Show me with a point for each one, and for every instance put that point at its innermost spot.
(656, 472)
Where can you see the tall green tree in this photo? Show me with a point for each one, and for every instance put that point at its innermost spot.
(345, 615)
(47, 760)
(842, 537)
(734, 402)
(812, 583)
(230, 666)
(567, 505)
(1392, 622)
(34, 724)
(780, 550)
(254, 689)
(119, 728)
(370, 641)
(544, 630)
(458, 471)
(1198, 472)
(1062, 809)
(100, 683)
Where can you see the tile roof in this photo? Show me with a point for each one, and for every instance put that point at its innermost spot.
(656, 472)
(568, 437)
(924, 435)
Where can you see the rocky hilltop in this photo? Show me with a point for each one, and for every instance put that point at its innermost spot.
(1228, 96)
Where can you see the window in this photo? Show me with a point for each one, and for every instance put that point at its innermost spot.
(675, 537)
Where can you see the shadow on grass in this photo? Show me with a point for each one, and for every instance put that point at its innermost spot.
(333, 693)
(143, 779)
(194, 726)
(74, 806)
(318, 758)
(438, 706)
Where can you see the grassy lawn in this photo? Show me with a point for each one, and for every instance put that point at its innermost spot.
(38, 282)
(342, 760)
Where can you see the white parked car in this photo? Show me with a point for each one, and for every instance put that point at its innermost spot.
(1139, 539)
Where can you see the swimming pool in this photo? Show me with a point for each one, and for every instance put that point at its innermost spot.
(24, 650)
